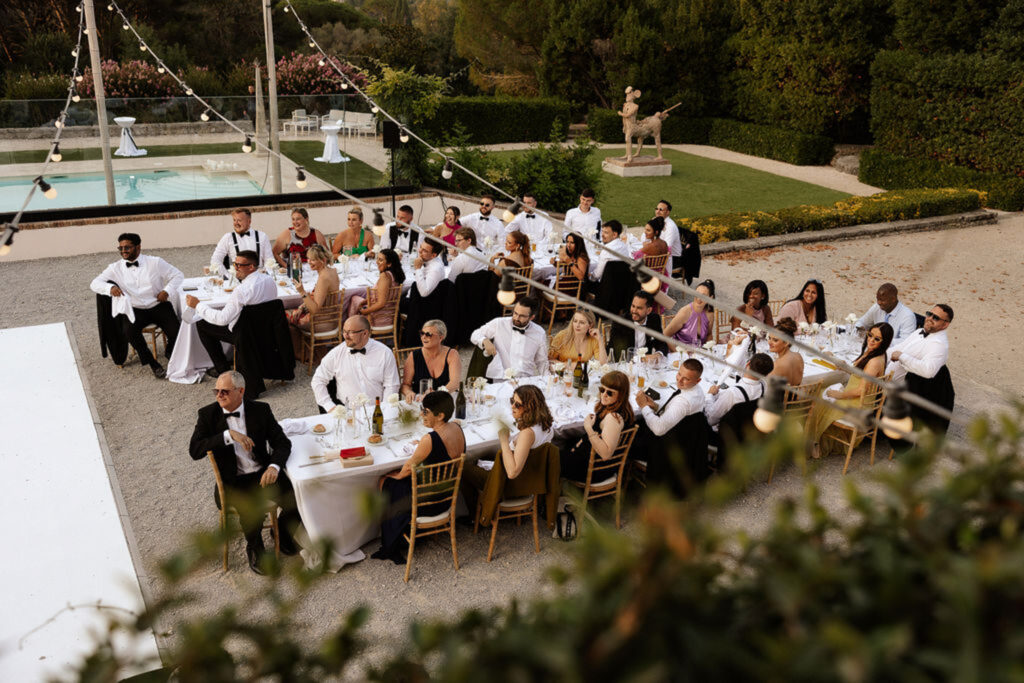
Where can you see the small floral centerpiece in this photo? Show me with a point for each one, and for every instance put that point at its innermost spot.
(803, 327)
(406, 414)
(510, 374)
(339, 413)
(270, 265)
(360, 401)
(559, 367)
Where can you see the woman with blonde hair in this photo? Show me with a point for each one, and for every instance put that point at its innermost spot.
(580, 338)
(327, 285)
(355, 239)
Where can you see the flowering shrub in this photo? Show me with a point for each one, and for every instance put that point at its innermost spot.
(299, 74)
(130, 79)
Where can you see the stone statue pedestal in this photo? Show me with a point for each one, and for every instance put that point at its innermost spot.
(637, 167)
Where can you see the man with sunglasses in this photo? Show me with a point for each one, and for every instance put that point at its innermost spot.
(514, 342)
(921, 360)
(218, 325)
(359, 366)
(483, 223)
(250, 449)
(141, 290)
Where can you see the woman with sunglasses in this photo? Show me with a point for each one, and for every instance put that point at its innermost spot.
(433, 361)
(612, 413)
(872, 360)
(808, 306)
(444, 442)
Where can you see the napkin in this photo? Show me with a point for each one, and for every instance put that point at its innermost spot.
(564, 413)
(293, 426)
(121, 304)
(485, 464)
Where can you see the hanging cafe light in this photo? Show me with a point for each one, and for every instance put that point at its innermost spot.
(300, 178)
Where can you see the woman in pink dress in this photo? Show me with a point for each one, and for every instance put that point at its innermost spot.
(808, 306)
(446, 229)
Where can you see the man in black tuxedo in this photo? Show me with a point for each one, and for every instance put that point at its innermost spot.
(641, 310)
(239, 433)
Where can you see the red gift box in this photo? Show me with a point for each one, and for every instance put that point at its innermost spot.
(357, 452)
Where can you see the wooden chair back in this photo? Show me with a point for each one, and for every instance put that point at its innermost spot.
(391, 331)
(329, 314)
(605, 476)
(565, 283)
(520, 287)
(401, 355)
(656, 262)
(722, 325)
(775, 307)
(436, 486)
(225, 507)
(799, 400)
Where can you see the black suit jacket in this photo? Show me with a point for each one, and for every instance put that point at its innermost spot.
(270, 445)
(623, 337)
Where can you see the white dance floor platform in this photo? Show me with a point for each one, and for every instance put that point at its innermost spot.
(62, 536)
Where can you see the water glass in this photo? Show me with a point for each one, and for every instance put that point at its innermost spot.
(426, 386)
(628, 355)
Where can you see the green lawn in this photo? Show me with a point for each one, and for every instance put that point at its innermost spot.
(699, 187)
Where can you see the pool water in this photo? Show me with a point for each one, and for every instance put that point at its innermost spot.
(90, 189)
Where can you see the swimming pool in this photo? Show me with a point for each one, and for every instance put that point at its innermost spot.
(136, 187)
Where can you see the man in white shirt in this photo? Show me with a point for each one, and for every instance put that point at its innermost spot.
(465, 239)
(586, 218)
(749, 388)
(484, 223)
(241, 238)
(921, 359)
(359, 366)
(218, 325)
(611, 236)
(531, 223)
(670, 234)
(514, 342)
(889, 309)
(398, 235)
(686, 400)
(428, 271)
(147, 284)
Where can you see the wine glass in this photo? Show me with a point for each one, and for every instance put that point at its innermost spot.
(426, 386)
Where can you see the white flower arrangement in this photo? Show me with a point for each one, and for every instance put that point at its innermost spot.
(803, 327)
(558, 367)
(510, 373)
(488, 242)
(231, 272)
(815, 327)
(361, 399)
(340, 412)
(641, 352)
(270, 265)
(480, 382)
(709, 344)
(755, 331)
(828, 325)
(393, 399)
(852, 318)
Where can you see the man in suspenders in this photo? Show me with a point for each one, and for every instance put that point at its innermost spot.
(241, 238)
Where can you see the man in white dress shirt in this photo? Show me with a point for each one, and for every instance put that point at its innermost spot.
(687, 399)
(397, 235)
(484, 223)
(428, 271)
(921, 360)
(670, 234)
(147, 283)
(749, 388)
(586, 218)
(531, 223)
(889, 309)
(218, 325)
(611, 236)
(514, 342)
(241, 238)
(359, 366)
(465, 239)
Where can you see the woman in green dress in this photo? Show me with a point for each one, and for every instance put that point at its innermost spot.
(872, 360)
(355, 239)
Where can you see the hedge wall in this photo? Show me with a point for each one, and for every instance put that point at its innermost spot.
(893, 172)
(605, 125)
(960, 109)
(491, 120)
(879, 208)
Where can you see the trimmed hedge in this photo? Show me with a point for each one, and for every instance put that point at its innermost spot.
(879, 208)
(894, 172)
(605, 125)
(960, 109)
(492, 120)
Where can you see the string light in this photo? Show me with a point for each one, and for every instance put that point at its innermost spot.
(322, 62)
(5, 248)
(124, 26)
(188, 91)
(446, 172)
(78, 8)
(55, 155)
(142, 47)
(507, 289)
(247, 145)
(769, 406)
(896, 421)
(312, 44)
(404, 136)
(49, 191)
(75, 97)
(74, 53)
(300, 178)
(79, 78)
(511, 212)
(378, 223)
(374, 109)
(205, 116)
(344, 85)
(110, 7)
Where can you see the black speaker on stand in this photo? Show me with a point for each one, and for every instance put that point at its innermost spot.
(390, 134)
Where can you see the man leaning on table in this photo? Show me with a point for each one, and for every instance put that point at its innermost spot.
(141, 287)
(921, 360)
(889, 309)
(218, 325)
(359, 366)
(250, 449)
(641, 311)
(242, 237)
(514, 342)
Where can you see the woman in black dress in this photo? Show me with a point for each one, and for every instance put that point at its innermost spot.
(444, 442)
(433, 361)
(612, 413)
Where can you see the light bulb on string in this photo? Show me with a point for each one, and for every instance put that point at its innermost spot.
(378, 223)
(110, 7)
(374, 109)
(160, 69)
(205, 116)
(404, 135)
(59, 123)
(49, 191)
(344, 85)
(506, 290)
(286, 9)
(85, 31)
(74, 53)
(142, 47)
(78, 8)
(510, 213)
(446, 172)
(312, 44)
(75, 97)
(896, 422)
(125, 26)
(321, 62)
(769, 406)
(300, 178)
(79, 78)
(247, 145)
(55, 155)
(188, 91)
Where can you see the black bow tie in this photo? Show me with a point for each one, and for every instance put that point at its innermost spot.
(227, 415)
(485, 218)
(244, 234)
(132, 264)
(924, 335)
(362, 350)
(531, 215)
(520, 330)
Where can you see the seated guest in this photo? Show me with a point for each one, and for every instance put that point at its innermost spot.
(298, 238)
(808, 306)
(691, 324)
(444, 442)
(788, 363)
(517, 251)
(921, 359)
(514, 342)
(445, 230)
(250, 449)
(611, 237)
(574, 254)
(749, 388)
(586, 218)
(872, 360)
(641, 311)
(379, 308)
(483, 222)
(355, 239)
(398, 235)
(581, 338)
(653, 244)
(433, 361)
(218, 325)
(359, 366)
(533, 428)
(889, 309)
(327, 285)
(755, 304)
(531, 223)
(241, 238)
(687, 399)
(464, 262)
(147, 283)
(611, 415)
(428, 270)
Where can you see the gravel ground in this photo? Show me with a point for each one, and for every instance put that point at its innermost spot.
(147, 422)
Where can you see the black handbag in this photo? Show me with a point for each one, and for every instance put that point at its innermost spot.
(565, 524)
